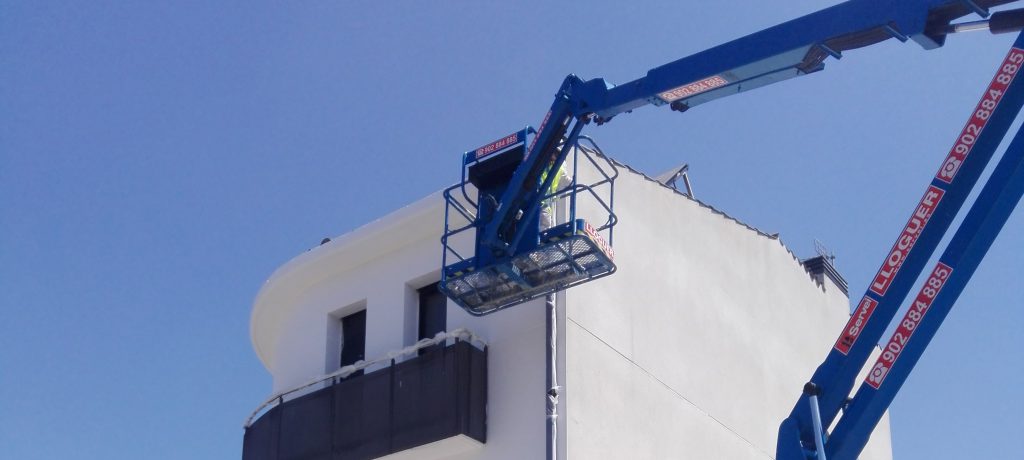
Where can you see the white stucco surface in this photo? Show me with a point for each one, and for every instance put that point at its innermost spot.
(701, 342)
(696, 348)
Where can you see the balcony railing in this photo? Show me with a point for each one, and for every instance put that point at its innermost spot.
(431, 397)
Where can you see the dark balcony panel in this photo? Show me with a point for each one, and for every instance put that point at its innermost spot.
(261, 438)
(425, 400)
(306, 426)
(363, 422)
(474, 386)
(435, 396)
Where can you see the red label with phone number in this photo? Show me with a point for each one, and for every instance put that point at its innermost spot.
(911, 320)
(989, 101)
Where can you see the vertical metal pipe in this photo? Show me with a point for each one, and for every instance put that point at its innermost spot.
(575, 177)
(552, 378)
(812, 392)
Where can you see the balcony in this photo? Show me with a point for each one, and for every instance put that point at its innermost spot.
(435, 402)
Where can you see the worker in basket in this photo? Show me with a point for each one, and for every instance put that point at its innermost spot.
(548, 207)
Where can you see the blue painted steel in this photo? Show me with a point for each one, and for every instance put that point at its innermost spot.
(568, 255)
(790, 49)
(555, 164)
(965, 251)
(555, 259)
(785, 51)
(521, 195)
(837, 374)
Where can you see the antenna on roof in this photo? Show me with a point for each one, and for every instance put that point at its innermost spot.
(824, 251)
(670, 177)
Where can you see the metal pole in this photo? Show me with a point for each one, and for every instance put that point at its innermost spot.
(812, 391)
(552, 378)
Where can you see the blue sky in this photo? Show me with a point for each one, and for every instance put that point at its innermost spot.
(158, 161)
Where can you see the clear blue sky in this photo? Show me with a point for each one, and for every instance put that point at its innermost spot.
(159, 160)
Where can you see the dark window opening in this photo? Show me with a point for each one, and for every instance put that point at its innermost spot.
(433, 313)
(353, 339)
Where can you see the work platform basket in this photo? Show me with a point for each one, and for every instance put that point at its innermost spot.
(571, 247)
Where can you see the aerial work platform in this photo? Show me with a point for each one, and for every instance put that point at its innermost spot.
(545, 260)
(513, 261)
(567, 255)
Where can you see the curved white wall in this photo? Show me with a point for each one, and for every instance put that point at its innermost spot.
(380, 268)
(697, 348)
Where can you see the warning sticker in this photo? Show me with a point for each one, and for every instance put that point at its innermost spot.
(911, 320)
(979, 119)
(691, 89)
(856, 324)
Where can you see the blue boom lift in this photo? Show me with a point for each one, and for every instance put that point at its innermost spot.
(514, 261)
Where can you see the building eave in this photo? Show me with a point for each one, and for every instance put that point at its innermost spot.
(279, 294)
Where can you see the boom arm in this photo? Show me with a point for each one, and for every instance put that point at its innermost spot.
(791, 49)
(904, 262)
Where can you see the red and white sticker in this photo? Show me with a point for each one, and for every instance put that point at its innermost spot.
(856, 325)
(911, 320)
(691, 89)
(533, 143)
(599, 240)
(907, 240)
(497, 145)
(989, 101)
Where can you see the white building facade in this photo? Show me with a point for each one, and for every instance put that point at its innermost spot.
(696, 348)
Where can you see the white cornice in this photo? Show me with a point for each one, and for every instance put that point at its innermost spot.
(279, 294)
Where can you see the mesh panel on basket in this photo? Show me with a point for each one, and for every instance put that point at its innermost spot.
(551, 267)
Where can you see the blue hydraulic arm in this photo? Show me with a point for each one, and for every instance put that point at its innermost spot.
(788, 50)
(944, 284)
(791, 49)
(495, 277)
(904, 262)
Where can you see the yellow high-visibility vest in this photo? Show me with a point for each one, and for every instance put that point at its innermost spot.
(554, 183)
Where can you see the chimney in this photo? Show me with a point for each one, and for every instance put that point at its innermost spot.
(822, 267)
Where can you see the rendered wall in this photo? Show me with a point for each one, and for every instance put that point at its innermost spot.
(312, 289)
(697, 348)
(699, 345)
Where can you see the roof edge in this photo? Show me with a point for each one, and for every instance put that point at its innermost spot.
(293, 276)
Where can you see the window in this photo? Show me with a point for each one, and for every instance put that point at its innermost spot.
(353, 339)
(433, 312)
